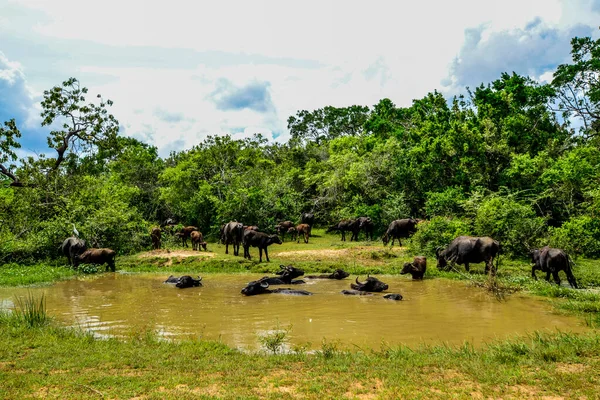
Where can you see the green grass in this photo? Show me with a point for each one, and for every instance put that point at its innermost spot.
(47, 360)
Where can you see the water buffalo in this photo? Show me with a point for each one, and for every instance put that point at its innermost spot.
(71, 247)
(233, 233)
(308, 219)
(337, 274)
(184, 281)
(262, 286)
(551, 261)
(289, 272)
(370, 285)
(393, 296)
(400, 228)
(251, 228)
(97, 256)
(187, 281)
(304, 231)
(260, 240)
(155, 236)
(416, 268)
(356, 293)
(185, 233)
(293, 233)
(469, 249)
(365, 224)
(346, 225)
(197, 240)
(282, 227)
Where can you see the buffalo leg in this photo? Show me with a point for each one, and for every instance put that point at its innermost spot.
(467, 268)
(260, 251)
(556, 278)
(571, 278)
(547, 276)
(226, 247)
(533, 275)
(399, 242)
(267, 255)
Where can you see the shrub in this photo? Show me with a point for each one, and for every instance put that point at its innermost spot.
(439, 231)
(578, 236)
(447, 203)
(515, 225)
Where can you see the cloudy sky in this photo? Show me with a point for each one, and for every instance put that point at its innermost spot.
(181, 70)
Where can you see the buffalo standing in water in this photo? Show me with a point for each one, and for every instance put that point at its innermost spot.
(262, 287)
(551, 261)
(469, 249)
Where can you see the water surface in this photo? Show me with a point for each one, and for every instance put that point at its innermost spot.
(433, 311)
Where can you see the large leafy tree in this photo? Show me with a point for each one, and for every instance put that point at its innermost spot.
(578, 85)
(76, 125)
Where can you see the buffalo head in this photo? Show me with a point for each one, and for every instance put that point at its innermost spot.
(339, 274)
(441, 259)
(256, 287)
(393, 296)
(187, 281)
(370, 285)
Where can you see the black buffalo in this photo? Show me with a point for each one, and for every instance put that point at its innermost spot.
(184, 281)
(337, 274)
(469, 249)
(71, 247)
(416, 268)
(356, 293)
(370, 285)
(287, 274)
(365, 224)
(400, 228)
(346, 225)
(393, 296)
(262, 286)
(551, 261)
(233, 234)
(260, 240)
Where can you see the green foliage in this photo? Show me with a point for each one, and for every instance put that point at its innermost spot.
(513, 224)
(578, 236)
(439, 231)
(275, 340)
(445, 204)
(28, 311)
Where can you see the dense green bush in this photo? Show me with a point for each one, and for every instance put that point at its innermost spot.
(439, 231)
(578, 236)
(515, 225)
(446, 204)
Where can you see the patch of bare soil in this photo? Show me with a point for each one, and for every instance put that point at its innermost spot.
(165, 253)
(317, 255)
(367, 254)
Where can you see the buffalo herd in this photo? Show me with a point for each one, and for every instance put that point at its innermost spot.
(463, 250)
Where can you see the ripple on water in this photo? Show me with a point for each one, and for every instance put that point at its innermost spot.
(432, 311)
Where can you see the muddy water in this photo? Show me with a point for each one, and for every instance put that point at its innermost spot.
(433, 311)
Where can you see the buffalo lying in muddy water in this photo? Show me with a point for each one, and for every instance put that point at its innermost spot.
(356, 293)
(370, 285)
(261, 286)
(393, 296)
(416, 268)
(337, 274)
(184, 281)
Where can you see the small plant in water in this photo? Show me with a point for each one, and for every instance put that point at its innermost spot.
(275, 340)
(31, 311)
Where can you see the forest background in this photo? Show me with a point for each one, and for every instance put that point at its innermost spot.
(513, 159)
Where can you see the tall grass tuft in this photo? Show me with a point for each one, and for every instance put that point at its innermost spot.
(31, 311)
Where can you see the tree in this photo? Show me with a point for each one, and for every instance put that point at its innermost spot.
(76, 126)
(578, 85)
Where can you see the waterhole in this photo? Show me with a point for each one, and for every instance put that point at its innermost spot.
(433, 311)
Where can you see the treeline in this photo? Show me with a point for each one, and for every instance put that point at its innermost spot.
(502, 160)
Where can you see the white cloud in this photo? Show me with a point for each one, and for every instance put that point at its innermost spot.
(303, 55)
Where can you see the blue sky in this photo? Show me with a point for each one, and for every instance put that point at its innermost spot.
(179, 70)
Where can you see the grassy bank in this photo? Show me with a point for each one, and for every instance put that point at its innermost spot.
(43, 359)
(54, 362)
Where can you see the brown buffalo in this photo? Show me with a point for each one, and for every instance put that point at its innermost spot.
(197, 240)
(97, 256)
(304, 231)
(416, 268)
(155, 235)
(185, 233)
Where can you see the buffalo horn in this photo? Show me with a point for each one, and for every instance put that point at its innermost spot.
(264, 284)
(357, 282)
